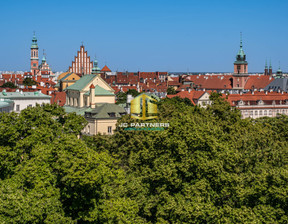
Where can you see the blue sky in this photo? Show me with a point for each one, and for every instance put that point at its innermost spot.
(183, 35)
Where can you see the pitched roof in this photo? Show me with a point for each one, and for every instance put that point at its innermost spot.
(258, 82)
(253, 98)
(59, 98)
(105, 69)
(82, 82)
(99, 91)
(278, 84)
(106, 111)
(193, 96)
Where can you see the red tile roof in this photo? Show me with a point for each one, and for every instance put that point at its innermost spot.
(253, 98)
(193, 96)
(105, 69)
(258, 82)
(58, 98)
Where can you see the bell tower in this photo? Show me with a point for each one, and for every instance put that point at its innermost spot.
(240, 75)
(34, 56)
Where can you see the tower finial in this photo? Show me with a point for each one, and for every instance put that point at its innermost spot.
(241, 40)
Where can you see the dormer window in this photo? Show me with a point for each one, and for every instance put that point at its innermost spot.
(112, 114)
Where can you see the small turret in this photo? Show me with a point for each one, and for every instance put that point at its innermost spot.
(96, 69)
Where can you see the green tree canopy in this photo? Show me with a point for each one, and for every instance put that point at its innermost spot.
(9, 85)
(29, 82)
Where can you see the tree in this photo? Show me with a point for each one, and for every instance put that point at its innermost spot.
(122, 96)
(29, 82)
(171, 91)
(209, 166)
(9, 85)
(48, 175)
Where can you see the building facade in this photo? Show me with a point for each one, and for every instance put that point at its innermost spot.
(82, 65)
(22, 100)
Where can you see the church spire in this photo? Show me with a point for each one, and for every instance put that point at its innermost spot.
(95, 69)
(34, 44)
(241, 65)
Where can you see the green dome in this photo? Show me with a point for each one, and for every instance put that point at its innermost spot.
(34, 42)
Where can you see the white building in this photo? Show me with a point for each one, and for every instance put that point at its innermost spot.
(22, 100)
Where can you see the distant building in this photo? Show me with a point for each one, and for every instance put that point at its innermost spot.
(66, 79)
(39, 70)
(260, 104)
(6, 105)
(82, 64)
(22, 100)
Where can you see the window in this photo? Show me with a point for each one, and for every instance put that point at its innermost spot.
(256, 112)
(17, 107)
(111, 114)
(109, 129)
(30, 105)
(265, 112)
(270, 112)
(260, 112)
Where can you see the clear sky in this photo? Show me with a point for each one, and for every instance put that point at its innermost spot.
(146, 35)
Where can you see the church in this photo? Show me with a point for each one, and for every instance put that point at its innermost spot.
(43, 69)
(93, 98)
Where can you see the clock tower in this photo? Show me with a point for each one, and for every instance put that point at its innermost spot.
(34, 56)
(240, 75)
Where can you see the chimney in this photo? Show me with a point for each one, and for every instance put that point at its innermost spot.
(92, 96)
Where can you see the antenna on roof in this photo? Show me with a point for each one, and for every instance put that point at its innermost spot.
(82, 43)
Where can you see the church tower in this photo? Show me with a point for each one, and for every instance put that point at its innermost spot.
(34, 56)
(240, 75)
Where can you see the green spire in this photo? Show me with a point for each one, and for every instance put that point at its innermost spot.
(266, 66)
(95, 69)
(270, 66)
(241, 57)
(34, 42)
(44, 58)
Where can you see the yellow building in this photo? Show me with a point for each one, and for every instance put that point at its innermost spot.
(65, 80)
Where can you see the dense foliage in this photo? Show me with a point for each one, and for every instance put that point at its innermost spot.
(171, 91)
(29, 82)
(122, 96)
(9, 85)
(208, 166)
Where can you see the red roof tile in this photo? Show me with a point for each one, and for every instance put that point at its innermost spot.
(105, 69)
